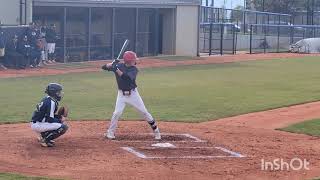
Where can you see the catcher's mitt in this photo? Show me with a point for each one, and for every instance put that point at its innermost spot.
(63, 112)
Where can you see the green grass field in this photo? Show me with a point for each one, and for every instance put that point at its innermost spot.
(186, 93)
(311, 127)
(7, 176)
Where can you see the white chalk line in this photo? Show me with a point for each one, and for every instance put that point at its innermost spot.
(152, 148)
(230, 152)
(138, 154)
(191, 157)
(193, 137)
(143, 156)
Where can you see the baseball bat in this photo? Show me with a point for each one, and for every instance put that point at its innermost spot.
(124, 47)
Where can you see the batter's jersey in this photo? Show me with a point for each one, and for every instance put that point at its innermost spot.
(45, 111)
(128, 80)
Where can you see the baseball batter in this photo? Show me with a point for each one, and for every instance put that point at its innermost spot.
(126, 74)
(45, 121)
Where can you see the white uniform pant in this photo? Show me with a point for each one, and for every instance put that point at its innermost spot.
(51, 47)
(40, 127)
(134, 100)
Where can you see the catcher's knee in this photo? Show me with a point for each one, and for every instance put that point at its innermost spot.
(50, 135)
(63, 129)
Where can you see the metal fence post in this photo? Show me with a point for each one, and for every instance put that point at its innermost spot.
(265, 40)
(291, 35)
(89, 32)
(278, 45)
(210, 39)
(251, 27)
(233, 40)
(244, 22)
(64, 35)
(221, 39)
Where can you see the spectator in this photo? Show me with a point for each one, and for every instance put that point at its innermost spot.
(24, 48)
(44, 51)
(13, 58)
(51, 38)
(32, 34)
(35, 54)
(2, 48)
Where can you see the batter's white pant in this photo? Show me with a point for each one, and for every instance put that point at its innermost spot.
(51, 47)
(134, 100)
(40, 127)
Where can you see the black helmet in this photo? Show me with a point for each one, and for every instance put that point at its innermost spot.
(54, 90)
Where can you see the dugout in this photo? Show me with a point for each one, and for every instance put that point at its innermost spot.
(95, 30)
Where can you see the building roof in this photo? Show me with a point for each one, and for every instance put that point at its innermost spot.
(118, 2)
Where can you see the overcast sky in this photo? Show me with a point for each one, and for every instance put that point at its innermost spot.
(229, 3)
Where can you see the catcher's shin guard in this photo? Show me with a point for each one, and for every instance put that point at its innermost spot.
(56, 133)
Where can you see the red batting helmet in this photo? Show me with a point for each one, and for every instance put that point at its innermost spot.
(129, 56)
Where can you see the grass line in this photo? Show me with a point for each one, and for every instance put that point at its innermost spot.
(10, 176)
(310, 127)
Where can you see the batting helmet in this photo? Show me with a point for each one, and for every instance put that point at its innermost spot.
(54, 90)
(129, 56)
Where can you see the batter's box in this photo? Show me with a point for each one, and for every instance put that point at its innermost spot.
(182, 153)
(165, 137)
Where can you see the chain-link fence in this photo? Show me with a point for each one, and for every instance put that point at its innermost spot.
(226, 38)
(217, 38)
(242, 18)
(278, 38)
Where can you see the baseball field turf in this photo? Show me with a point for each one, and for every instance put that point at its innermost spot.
(311, 127)
(7, 176)
(186, 93)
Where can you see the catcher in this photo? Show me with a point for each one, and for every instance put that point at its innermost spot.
(126, 74)
(47, 120)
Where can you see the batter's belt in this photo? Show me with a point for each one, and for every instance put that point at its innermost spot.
(127, 92)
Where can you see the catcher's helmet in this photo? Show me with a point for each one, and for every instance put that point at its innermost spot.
(54, 90)
(129, 56)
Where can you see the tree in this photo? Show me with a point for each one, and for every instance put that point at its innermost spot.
(278, 6)
(237, 15)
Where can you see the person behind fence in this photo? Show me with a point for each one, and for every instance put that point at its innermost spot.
(51, 38)
(33, 34)
(24, 48)
(35, 53)
(44, 51)
(13, 59)
(2, 49)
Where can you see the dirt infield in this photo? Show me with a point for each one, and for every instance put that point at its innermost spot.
(147, 62)
(203, 151)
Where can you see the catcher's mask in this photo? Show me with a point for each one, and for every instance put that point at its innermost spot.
(55, 90)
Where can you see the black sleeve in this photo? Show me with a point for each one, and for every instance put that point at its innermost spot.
(104, 67)
(131, 75)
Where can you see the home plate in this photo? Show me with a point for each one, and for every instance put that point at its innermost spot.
(163, 145)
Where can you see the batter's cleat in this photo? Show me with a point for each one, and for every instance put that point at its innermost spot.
(157, 135)
(109, 135)
(44, 143)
